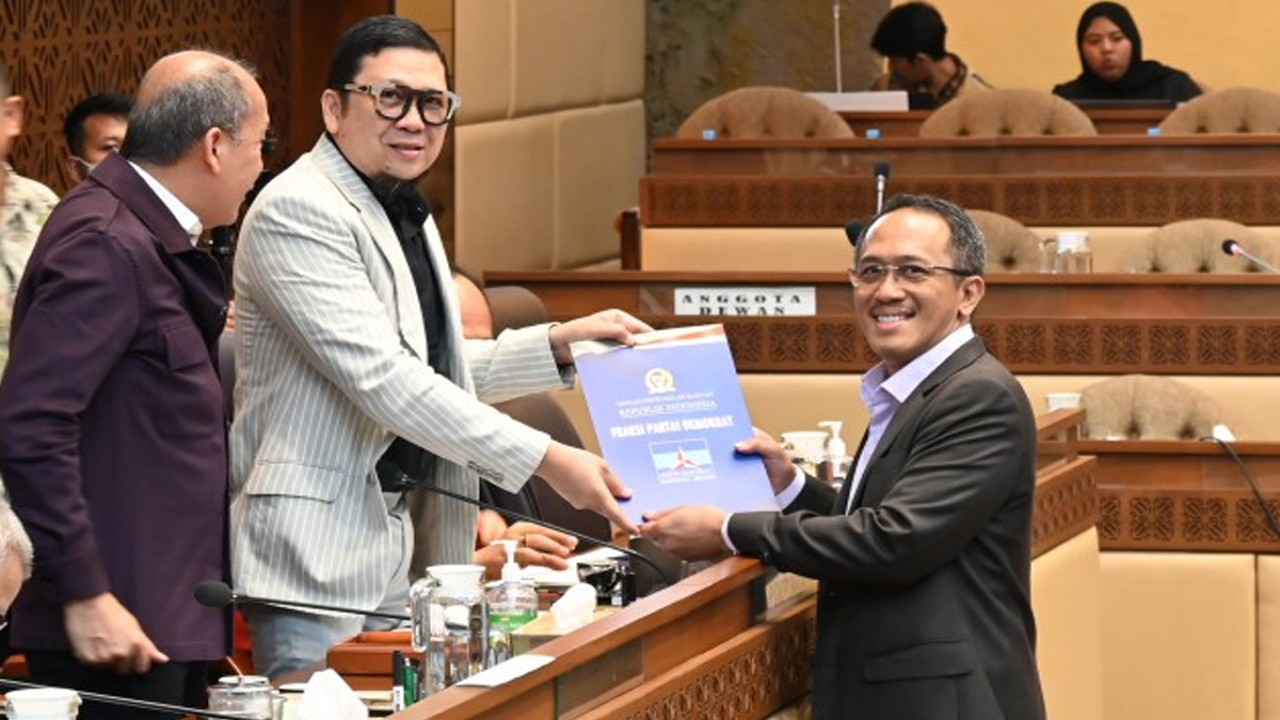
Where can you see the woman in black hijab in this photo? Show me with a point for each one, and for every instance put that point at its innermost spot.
(1113, 69)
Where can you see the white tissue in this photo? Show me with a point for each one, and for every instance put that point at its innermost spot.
(328, 697)
(575, 607)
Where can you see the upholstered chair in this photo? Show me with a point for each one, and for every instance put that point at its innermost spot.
(1230, 110)
(764, 112)
(1010, 111)
(1148, 407)
(514, 307)
(1011, 246)
(1195, 246)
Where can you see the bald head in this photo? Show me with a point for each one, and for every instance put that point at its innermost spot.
(181, 98)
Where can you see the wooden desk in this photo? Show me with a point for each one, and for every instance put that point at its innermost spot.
(1060, 324)
(707, 647)
(1108, 121)
(706, 200)
(1184, 495)
(1220, 155)
(1106, 180)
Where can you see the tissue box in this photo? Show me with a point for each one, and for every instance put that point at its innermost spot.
(539, 631)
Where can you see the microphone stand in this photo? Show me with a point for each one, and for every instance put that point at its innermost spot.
(835, 16)
(126, 702)
(881, 171)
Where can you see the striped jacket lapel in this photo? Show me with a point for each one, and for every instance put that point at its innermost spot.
(408, 313)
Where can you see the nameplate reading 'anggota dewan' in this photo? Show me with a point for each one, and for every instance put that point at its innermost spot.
(747, 301)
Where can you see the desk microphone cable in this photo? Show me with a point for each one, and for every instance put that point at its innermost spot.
(1267, 512)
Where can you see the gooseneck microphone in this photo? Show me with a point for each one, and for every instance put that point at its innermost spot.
(176, 710)
(217, 594)
(666, 579)
(1233, 248)
(882, 178)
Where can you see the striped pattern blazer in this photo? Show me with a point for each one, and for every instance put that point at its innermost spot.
(330, 365)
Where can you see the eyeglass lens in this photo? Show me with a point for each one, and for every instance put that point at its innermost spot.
(393, 103)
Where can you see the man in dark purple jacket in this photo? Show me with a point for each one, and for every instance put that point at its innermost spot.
(112, 428)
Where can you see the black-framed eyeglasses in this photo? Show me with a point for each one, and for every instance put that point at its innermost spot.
(873, 273)
(391, 101)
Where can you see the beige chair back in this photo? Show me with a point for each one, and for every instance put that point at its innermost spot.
(764, 112)
(1147, 407)
(1195, 246)
(1011, 246)
(1230, 110)
(1007, 111)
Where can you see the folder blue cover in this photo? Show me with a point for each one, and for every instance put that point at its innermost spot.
(667, 412)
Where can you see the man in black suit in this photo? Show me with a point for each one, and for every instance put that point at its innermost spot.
(923, 556)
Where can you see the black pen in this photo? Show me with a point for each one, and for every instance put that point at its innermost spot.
(397, 681)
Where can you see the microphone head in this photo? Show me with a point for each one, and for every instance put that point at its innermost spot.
(852, 230)
(1231, 247)
(214, 593)
(882, 169)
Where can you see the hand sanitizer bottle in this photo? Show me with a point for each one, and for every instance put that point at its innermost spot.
(513, 602)
(838, 459)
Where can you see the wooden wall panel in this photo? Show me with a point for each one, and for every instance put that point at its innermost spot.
(60, 51)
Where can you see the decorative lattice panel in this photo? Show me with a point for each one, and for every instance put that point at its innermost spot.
(61, 51)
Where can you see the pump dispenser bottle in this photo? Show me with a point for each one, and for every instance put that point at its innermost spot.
(838, 458)
(513, 602)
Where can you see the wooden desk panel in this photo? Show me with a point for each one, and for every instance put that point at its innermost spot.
(706, 642)
(1184, 495)
(1061, 324)
(1052, 156)
(705, 200)
(1108, 121)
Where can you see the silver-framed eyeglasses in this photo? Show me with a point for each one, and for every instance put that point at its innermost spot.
(873, 273)
(391, 101)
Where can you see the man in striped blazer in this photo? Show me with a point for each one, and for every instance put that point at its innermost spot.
(353, 379)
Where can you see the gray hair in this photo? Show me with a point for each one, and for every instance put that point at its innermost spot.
(13, 538)
(163, 128)
(968, 247)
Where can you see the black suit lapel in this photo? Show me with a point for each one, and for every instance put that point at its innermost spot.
(964, 356)
(842, 498)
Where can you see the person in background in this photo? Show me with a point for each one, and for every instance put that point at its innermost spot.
(355, 390)
(24, 206)
(112, 422)
(1111, 64)
(15, 567)
(94, 127)
(923, 556)
(913, 39)
(15, 556)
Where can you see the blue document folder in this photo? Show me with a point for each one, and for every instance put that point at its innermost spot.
(667, 412)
